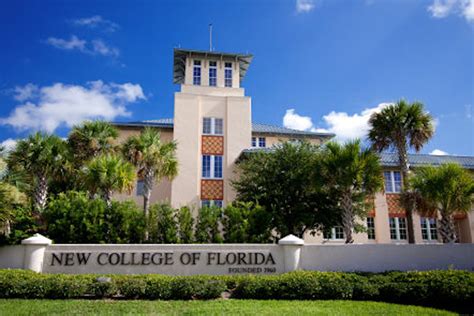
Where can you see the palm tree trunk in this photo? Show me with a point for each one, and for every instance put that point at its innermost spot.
(446, 229)
(408, 203)
(347, 216)
(41, 193)
(147, 188)
(108, 197)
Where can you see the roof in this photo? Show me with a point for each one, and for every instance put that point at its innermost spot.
(256, 128)
(180, 55)
(415, 160)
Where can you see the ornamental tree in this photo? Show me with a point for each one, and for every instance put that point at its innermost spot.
(353, 174)
(447, 189)
(402, 126)
(283, 182)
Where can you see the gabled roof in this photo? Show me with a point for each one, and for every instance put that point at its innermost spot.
(391, 159)
(180, 55)
(256, 128)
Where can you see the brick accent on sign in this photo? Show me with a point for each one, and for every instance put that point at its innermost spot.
(212, 145)
(212, 189)
(395, 209)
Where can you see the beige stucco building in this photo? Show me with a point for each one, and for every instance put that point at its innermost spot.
(212, 126)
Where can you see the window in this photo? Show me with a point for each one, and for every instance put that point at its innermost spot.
(206, 166)
(212, 167)
(197, 73)
(209, 203)
(370, 228)
(228, 74)
(140, 187)
(334, 233)
(429, 228)
(212, 126)
(213, 73)
(393, 181)
(398, 228)
(259, 142)
(217, 166)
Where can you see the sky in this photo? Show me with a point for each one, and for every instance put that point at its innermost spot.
(321, 65)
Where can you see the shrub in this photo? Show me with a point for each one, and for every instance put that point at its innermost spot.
(162, 216)
(245, 222)
(447, 289)
(74, 218)
(22, 226)
(207, 226)
(185, 225)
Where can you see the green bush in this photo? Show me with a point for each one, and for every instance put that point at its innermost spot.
(185, 225)
(163, 227)
(74, 218)
(207, 226)
(447, 289)
(22, 226)
(244, 222)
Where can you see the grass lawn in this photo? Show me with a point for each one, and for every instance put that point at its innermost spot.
(215, 307)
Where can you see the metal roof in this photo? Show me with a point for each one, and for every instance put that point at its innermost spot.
(180, 55)
(416, 160)
(256, 128)
(391, 159)
(278, 130)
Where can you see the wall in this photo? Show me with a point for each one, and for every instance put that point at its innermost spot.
(11, 257)
(191, 105)
(379, 258)
(211, 258)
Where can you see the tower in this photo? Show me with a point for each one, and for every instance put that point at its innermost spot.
(212, 125)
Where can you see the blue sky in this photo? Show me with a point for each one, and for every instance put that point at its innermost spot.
(318, 65)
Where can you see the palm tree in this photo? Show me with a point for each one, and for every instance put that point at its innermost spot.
(402, 126)
(105, 174)
(447, 189)
(44, 157)
(355, 174)
(154, 160)
(91, 139)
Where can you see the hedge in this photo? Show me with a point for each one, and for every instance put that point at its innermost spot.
(451, 289)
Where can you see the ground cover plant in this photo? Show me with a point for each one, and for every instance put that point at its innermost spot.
(214, 307)
(452, 289)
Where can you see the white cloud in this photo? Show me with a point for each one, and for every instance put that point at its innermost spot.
(443, 8)
(303, 6)
(95, 22)
(296, 121)
(468, 11)
(94, 47)
(438, 152)
(61, 104)
(26, 92)
(99, 47)
(8, 144)
(345, 126)
(71, 44)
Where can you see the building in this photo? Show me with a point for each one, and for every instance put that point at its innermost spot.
(213, 128)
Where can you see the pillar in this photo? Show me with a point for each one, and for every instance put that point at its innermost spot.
(34, 252)
(291, 252)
